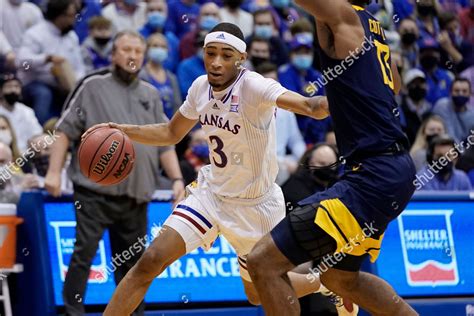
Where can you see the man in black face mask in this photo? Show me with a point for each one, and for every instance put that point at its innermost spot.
(440, 173)
(97, 47)
(21, 117)
(413, 102)
(438, 79)
(259, 52)
(459, 118)
(409, 34)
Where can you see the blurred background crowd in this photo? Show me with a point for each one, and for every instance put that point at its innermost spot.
(46, 47)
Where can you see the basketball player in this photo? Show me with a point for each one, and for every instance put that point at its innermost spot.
(347, 221)
(236, 194)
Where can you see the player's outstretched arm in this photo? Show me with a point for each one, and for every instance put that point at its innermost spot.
(163, 134)
(315, 107)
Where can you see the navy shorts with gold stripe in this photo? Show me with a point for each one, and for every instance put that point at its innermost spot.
(348, 220)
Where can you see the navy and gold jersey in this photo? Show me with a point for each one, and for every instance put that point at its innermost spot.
(360, 90)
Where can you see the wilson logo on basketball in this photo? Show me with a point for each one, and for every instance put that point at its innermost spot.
(100, 167)
(123, 165)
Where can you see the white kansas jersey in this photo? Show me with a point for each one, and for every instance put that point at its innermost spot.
(239, 123)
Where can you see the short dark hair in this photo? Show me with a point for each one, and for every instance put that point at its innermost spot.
(461, 79)
(55, 8)
(229, 28)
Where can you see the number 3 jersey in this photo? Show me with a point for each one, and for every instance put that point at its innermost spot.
(239, 123)
(359, 89)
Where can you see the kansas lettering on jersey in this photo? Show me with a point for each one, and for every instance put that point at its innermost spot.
(361, 98)
(239, 123)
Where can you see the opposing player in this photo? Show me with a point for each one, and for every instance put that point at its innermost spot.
(236, 195)
(346, 222)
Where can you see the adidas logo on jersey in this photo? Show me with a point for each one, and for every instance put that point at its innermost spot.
(215, 107)
(221, 36)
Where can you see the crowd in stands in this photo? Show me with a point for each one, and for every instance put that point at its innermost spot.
(47, 46)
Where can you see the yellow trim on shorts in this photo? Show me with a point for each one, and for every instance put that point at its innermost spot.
(338, 222)
(358, 8)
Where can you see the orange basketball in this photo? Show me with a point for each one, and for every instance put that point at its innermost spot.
(106, 156)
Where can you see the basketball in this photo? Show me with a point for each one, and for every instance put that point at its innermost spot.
(106, 156)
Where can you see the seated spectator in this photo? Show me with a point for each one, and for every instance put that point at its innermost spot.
(469, 75)
(290, 143)
(126, 14)
(87, 9)
(54, 59)
(208, 18)
(287, 15)
(191, 68)
(258, 53)
(7, 56)
(305, 182)
(265, 27)
(414, 107)
(466, 18)
(454, 111)
(409, 35)
(427, 20)
(304, 28)
(439, 80)
(297, 76)
(440, 173)
(195, 157)
(21, 117)
(231, 12)
(182, 16)
(163, 80)
(430, 128)
(17, 16)
(8, 136)
(157, 17)
(12, 181)
(97, 47)
(457, 53)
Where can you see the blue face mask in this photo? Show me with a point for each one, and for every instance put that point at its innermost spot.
(302, 62)
(264, 31)
(202, 151)
(208, 22)
(157, 54)
(281, 3)
(156, 20)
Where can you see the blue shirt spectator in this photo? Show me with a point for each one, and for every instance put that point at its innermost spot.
(89, 9)
(190, 69)
(458, 181)
(427, 20)
(402, 9)
(182, 16)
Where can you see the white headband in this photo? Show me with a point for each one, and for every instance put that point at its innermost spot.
(226, 38)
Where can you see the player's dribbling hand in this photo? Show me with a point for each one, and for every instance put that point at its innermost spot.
(91, 129)
(52, 183)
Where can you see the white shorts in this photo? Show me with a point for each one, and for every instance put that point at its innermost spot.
(203, 215)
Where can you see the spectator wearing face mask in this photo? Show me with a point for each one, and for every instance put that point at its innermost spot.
(195, 157)
(304, 28)
(22, 117)
(182, 16)
(17, 16)
(264, 26)
(431, 127)
(414, 107)
(439, 80)
(157, 22)
(466, 18)
(440, 173)
(126, 14)
(297, 76)
(231, 12)
(409, 35)
(456, 52)
(97, 48)
(454, 111)
(8, 137)
(427, 19)
(191, 68)
(87, 9)
(208, 18)
(162, 79)
(258, 53)
(50, 51)
(12, 181)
